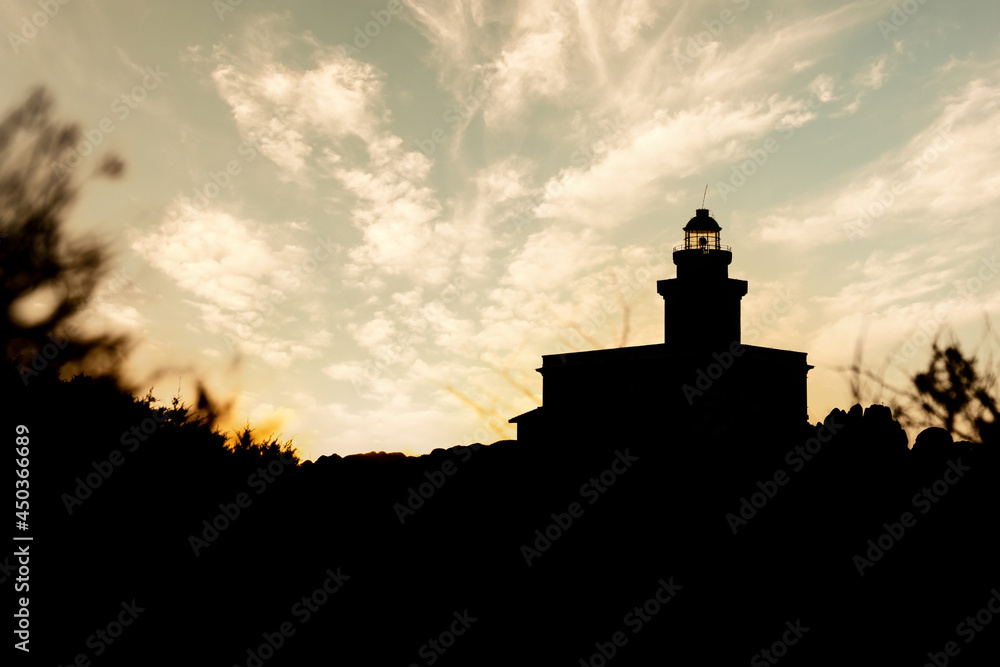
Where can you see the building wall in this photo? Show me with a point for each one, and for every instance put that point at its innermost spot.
(656, 390)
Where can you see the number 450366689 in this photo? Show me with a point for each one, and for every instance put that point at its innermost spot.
(21, 485)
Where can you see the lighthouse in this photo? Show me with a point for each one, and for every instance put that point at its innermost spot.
(701, 375)
(702, 304)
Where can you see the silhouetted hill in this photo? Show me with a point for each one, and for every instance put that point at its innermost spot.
(880, 551)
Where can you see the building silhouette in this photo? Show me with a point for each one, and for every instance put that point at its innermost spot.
(701, 380)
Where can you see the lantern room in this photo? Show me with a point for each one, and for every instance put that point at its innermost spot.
(702, 232)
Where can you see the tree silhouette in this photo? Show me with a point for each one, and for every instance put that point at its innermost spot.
(954, 393)
(36, 255)
(38, 258)
(957, 392)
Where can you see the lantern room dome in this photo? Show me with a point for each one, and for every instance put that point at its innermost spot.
(702, 222)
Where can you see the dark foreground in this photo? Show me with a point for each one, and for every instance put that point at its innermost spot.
(852, 549)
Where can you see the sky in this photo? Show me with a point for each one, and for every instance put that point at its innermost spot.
(363, 223)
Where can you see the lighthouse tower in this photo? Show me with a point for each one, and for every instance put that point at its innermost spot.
(702, 304)
(702, 376)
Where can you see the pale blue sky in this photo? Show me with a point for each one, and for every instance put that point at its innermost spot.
(390, 291)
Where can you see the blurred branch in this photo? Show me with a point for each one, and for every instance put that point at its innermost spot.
(36, 256)
(956, 392)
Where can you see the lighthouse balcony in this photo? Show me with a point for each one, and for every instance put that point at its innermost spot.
(690, 245)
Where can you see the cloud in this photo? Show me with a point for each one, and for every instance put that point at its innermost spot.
(397, 426)
(552, 258)
(284, 109)
(671, 146)
(216, 256)
(763, 55)
(870, 78)
(886, 278)
(631, 18)
(822, 88)
(397, 219)
(241, 283)
(533, 69)
(945, 172)
(327, 113)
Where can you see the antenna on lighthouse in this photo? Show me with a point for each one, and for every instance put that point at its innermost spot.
(704, 195)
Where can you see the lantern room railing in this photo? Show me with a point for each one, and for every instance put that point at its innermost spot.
(694, 246)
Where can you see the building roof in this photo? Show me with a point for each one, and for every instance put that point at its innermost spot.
(528, 416)
(656, 351)
(702, 222)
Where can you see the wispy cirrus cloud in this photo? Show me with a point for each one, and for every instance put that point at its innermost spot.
(329, 113)
(241, 275)
(285, 101)
(943, 173)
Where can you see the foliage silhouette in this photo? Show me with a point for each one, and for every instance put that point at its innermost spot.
(35, 253)
(245, 447)
(37, 257)
(956, 392)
